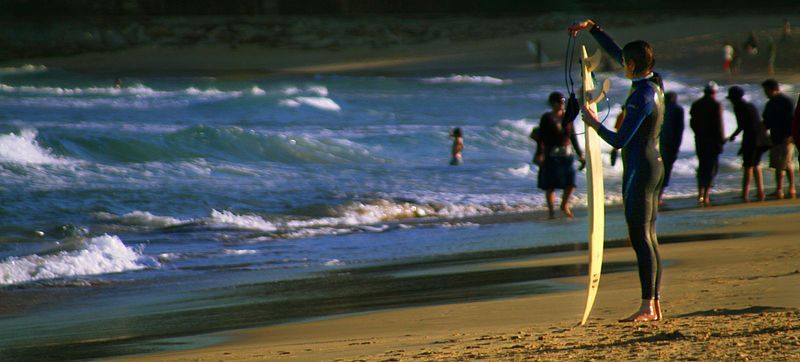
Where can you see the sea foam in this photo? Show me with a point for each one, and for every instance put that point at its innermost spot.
(27, 68)
(23, 148)
(474, 79)
(99, 255)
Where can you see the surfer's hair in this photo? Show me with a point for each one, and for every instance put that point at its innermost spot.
(642, 55)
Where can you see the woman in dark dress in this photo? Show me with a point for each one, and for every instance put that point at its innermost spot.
(556, 141)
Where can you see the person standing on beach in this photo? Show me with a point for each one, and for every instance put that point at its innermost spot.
(709, 136)
(555, 143)
(778, 119)
(754, 141)
(642, 168)
(458, 147)
(671, 137)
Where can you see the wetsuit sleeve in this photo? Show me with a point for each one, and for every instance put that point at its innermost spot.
(607, 43)
(640, 104)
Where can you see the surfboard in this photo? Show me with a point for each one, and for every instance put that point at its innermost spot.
(594, 179)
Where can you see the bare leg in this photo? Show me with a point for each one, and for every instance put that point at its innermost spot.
(700, 192)
(659, 316)
(706, 192)
(759, 182)
(565, 200)
(779, 184)
(748, 173)
(790, 172)
(550, 197)
(646, 313)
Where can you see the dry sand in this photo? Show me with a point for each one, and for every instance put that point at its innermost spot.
(728, 299)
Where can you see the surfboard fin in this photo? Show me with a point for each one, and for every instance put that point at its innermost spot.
(603, 91)
(594, 61)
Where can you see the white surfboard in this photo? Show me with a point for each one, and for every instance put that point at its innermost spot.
(594, 179)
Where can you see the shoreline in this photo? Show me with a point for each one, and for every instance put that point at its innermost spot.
(697, 289)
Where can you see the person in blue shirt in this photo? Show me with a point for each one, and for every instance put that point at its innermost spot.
(643, 169)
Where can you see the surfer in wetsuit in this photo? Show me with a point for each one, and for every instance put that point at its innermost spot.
(643, 170)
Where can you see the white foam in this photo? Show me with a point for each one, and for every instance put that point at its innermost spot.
(22, 148)
(27, 68)
(99, 255)
(289, 103)
(240, 252)
(290, 91)
(211, 92)
(333, 262)
(474, 79)
(323, 103)
(245, 222)
(521, 171)
(256, 91)
(142, 218)
(319, 90)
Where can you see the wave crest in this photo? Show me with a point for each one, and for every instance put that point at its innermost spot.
(99, 255)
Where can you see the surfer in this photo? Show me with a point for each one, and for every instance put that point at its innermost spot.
(458, 146)
(554, 154)
(643, 170)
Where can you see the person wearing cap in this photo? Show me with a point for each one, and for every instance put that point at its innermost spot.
(778, 119)
(642, 167)
(671, 137)
(556, 141)
(709, 136)
(754, 141)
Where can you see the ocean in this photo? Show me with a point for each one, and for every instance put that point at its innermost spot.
(199, 204)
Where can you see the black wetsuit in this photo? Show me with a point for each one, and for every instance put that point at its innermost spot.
(643, 170)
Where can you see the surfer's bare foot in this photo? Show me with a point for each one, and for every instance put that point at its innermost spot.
(567, 211)
(778, 194)
(646, 313)
(761, 196)
(551, 214)
(657, 304)
(792, 193)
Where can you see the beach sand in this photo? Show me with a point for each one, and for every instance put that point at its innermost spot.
(732, 298)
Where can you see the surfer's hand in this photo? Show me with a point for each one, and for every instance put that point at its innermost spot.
(580, 25)
(589, 117)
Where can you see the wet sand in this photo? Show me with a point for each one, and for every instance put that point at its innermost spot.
(735, 297)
